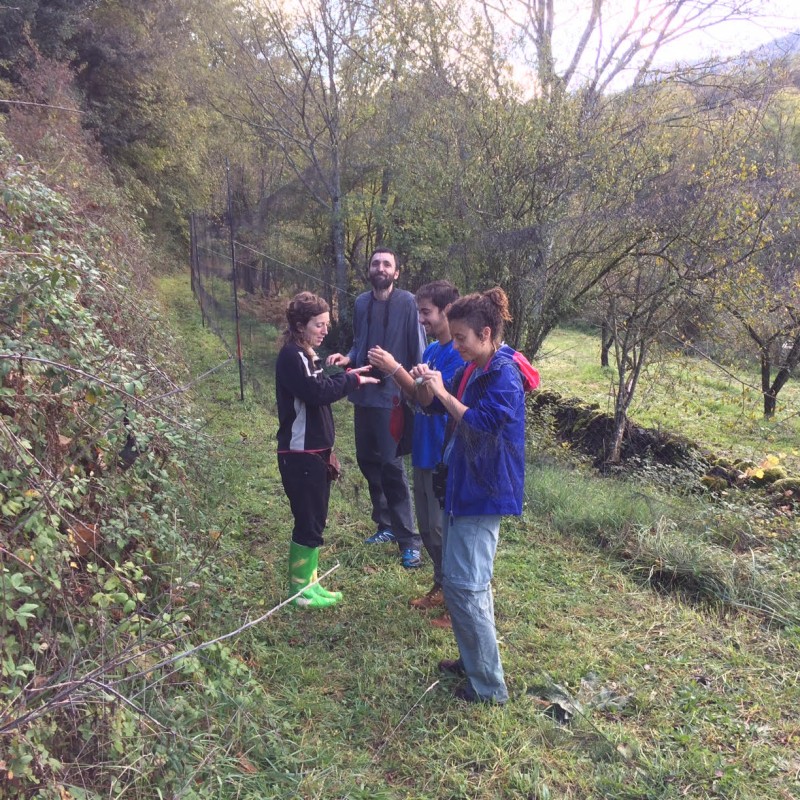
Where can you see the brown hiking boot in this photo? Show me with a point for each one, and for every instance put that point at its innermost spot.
(433, 599)
(452, 665)
(443, 622)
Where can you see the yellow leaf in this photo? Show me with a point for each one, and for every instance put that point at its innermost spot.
(759, 473)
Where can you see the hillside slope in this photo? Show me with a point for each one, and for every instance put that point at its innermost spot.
(103, 554)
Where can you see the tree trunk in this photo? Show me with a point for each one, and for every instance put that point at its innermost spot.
(606, 340)
(782, 377)
(618, 437)
(337, 239)
(380, 228)
(265, 274)
(770, 397)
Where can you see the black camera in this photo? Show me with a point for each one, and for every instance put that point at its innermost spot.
(374, 372)
(439, 482)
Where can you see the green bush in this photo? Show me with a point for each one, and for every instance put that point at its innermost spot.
(98, 571)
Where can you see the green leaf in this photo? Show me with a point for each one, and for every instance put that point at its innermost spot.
(22, 614)
(18, 582)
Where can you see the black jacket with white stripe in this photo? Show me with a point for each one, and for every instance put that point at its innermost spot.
(305, 393)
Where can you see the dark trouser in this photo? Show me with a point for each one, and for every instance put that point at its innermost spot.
(305, 481)
(385, 472)
(429, 519)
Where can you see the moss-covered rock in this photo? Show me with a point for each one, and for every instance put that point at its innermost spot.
(766, 476)
(784, 485)
(714, 483)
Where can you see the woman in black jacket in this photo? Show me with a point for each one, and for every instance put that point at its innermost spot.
(305, 439)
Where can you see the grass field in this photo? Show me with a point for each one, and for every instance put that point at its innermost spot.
(686, 395)
(679, 696)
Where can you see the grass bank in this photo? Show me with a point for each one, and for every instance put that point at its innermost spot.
(619, 689)
(720, 410)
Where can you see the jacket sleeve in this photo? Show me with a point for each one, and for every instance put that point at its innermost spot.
(417, 341)
(496, 400)
(313, 390)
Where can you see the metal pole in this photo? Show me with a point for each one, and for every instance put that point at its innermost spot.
(197, 283)
(191, 254)
(235, 282)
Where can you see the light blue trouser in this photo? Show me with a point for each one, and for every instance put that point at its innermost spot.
(469, 545)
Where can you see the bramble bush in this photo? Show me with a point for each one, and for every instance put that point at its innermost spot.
(99, 574)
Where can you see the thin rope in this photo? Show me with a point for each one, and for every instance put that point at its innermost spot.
(42, 105)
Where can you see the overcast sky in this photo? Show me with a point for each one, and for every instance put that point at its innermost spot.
(775, 18)
(729, 38)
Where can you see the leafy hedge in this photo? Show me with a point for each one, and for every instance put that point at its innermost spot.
(98, 573)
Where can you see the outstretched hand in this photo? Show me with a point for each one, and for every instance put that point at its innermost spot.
(363, 378)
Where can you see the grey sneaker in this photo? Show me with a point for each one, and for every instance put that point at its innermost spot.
(381, 536)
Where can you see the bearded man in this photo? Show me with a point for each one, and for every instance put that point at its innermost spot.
(387, 317)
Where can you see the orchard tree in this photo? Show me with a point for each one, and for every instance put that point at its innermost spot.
(551, 207)
(305, 76)
(698, 223)
(761, 292)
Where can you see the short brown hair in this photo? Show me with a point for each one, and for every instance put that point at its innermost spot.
(302, 307)
(440, 293)
(384, 250)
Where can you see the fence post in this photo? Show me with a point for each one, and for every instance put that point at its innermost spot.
(194, 257)
(191, 254)
(235, 281)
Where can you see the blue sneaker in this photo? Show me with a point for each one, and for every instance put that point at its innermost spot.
(411, 558)
(381, 536)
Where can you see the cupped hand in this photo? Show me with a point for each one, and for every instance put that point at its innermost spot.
(433, 380)
(337, 360)
(382, 359)
(419, 372)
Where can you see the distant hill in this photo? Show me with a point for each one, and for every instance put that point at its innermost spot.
(788, 45)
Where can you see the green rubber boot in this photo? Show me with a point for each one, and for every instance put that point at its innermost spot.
(322, 591)
(302, 570)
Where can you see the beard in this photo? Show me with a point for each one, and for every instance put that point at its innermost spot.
(380, 282)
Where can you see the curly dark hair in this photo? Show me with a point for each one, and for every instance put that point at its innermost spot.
(481, 310)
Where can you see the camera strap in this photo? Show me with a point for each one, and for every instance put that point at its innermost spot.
(462, 387)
